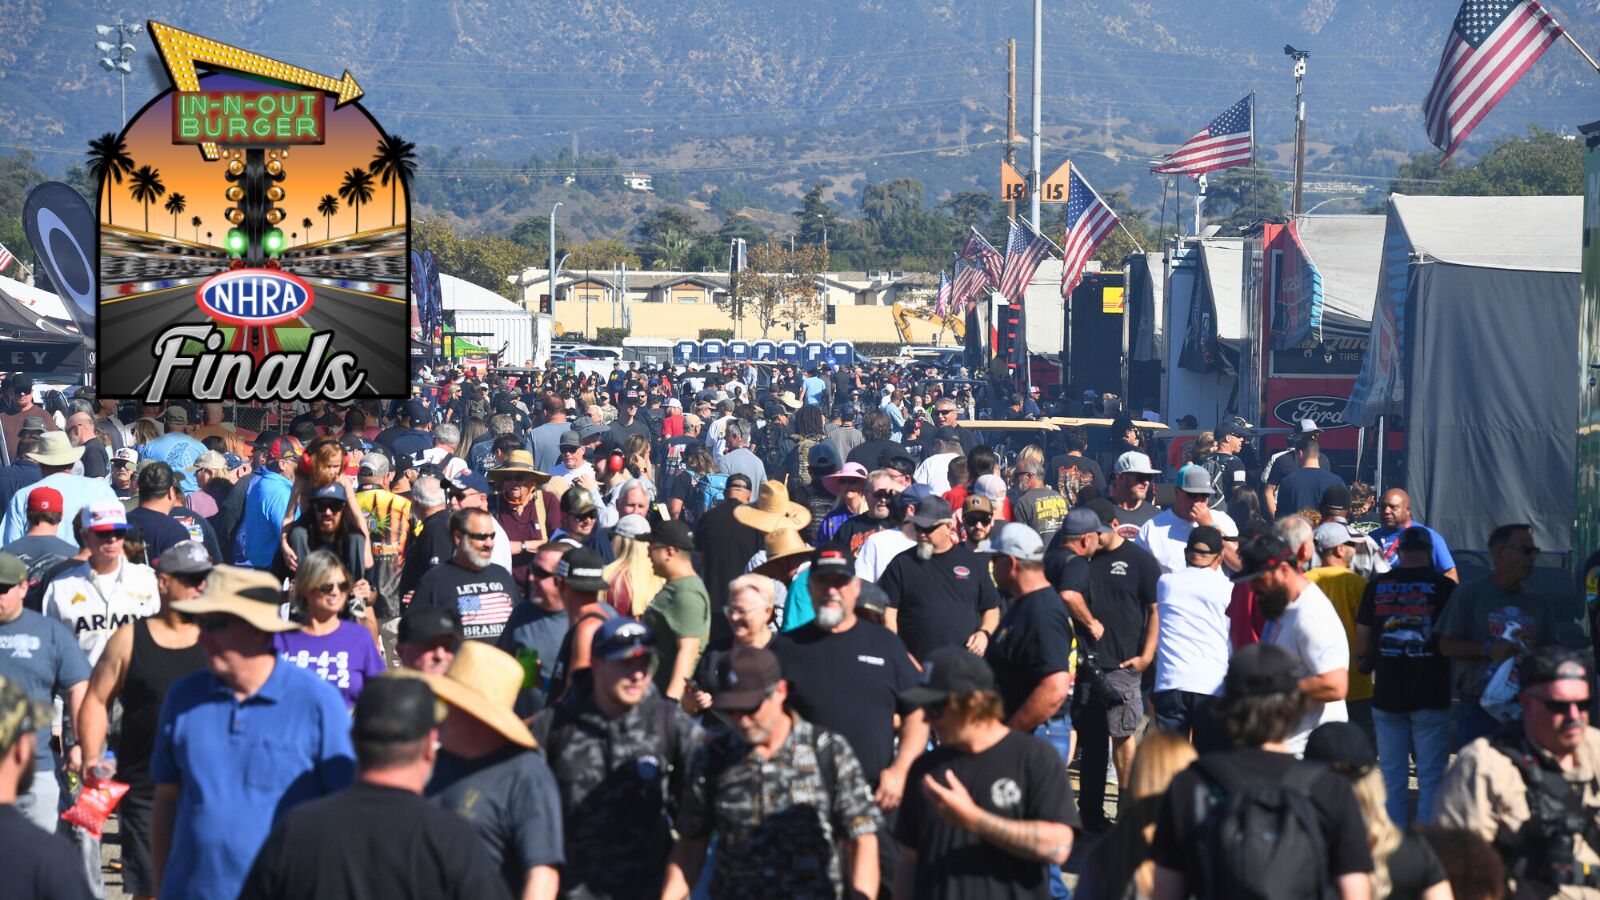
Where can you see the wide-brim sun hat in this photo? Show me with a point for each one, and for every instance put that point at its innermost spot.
(773, 510)
(249, 594)
(483, 682)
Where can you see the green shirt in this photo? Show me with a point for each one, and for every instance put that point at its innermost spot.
(1480, 611)
(681, 609)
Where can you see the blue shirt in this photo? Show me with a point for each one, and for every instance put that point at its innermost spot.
(262, 528)
(178, 451)
(40, 655)
(241, 765)
(797, 607)
(815, 389)
(1388, 540)
(76, 493)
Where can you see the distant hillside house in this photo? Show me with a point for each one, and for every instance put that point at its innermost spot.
(638, 181)
(870, 288)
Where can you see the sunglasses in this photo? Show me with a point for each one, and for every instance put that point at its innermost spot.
(977, 520)
(330, 507)
(1563, 708)
(884, 495)
(587, 515)
(1142, 479)
(479, 535)
(211, 623)
(930, 529)
(330, 587)
(1198, 498)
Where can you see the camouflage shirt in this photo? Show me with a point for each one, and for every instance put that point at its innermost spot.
(778, 821)
(619, 779)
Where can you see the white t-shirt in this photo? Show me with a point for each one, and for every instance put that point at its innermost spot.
(1193, 647)
(1166, 535)
(935, 472)
(1310, 629)
(92, 606)
(878, 550)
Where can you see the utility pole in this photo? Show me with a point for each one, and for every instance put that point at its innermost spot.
(552, 281)
(1299, 57)
(1038, 109)
(1011, 116)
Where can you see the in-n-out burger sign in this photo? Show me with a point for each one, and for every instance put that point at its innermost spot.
(1327, 412)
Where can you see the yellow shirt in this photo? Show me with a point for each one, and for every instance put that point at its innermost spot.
(1344, 588)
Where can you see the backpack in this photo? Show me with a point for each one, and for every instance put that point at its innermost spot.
(1216, 466)
(1260, 840)
(708, 491)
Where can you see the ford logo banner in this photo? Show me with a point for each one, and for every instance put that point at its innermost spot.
(1327, 412)
(254, 297)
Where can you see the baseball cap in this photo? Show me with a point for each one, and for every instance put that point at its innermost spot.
(44, 499)
(1309, 426)
(1081, 520)
(1258, 670)
(1195, 480)
(32, 424)
(930, 512)
(1415, 538)
(19, 713)
(104, 515)
(1135, 462)
(125, 455)
(354, 442)
(737, 481)
(623, 637)
(913, 496)
(470, 481)
(1204, 539)
(744, 677)
(674, 403)
(673, 533)
(1343, 746)
(1105, 509)
(184, 558)
(211, 461)
(581, 568)
(395, 709)
(977, 503)
(992, 486)
(422, 624)
(1551, 663)
(632, 525)
(577, 503)
(1018, 541)
(1332, 534)
(414, 411)
(690, 420)
(832, 560)
(569, 440)
(375, 463)
(21, 384)
(1260, 554)
(285, 447)
(630, 397)
(1228, 429)
(948, 671)
(1336, 497)
(176, 414)
(333, 491)
(13, 570)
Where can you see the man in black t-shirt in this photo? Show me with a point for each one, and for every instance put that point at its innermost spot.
(482, 592)
(1130, 492)
(940, 593)
(1303, 488)
(1032, 650)
(408, 847)
(990, 813)
(1261, 704)
(1122, 599)
(1071, 472)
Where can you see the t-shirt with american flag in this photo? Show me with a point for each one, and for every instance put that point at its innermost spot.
(484, 598)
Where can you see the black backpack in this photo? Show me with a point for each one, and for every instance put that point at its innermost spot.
(1260, 840)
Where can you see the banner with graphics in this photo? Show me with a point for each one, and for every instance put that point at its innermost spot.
(253, 234)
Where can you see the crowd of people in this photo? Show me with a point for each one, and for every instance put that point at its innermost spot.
(744, 631)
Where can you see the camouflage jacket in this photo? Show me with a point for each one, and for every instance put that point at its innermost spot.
(778, 821)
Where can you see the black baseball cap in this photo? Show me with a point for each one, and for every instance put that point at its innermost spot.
(832, 560)
(1260, 554)
(1259, 670)
(946, 672)
(1551, 663)
(673, 533)
(422, 624)
(1415, 538)
(737, 480)
(744, 677)
(394, 709)
(1336, 497)
(1204, 539)
(1344, 747)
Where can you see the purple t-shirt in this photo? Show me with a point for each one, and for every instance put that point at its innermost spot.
(345, 659)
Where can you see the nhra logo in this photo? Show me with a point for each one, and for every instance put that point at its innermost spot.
(1327, 412)
(254, 297)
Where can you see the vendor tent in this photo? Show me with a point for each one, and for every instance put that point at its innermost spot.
(1204, 325)
(37, 334)
(1473, 345)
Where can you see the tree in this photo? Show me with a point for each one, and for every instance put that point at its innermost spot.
(356, 189)
(108, 158)
(17, 177)
(146, 188)
(176, 203)
(305, 228)
(327, 208)
(815, 217)
(488, 262)
(670, 251)
(196, 223)
(1242, 196)
(897, 198)
(603, 255)
(970, 207)
(777, 286)
(394, 162)
(1542, 164)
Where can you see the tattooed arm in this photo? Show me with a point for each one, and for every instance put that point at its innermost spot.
(1030, 839)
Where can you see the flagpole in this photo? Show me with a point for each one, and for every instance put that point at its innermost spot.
(1579, 47)
(1129, 234)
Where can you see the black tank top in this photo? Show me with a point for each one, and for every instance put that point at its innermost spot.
(152, 669)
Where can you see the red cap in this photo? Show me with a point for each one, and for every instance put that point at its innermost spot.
(44, 499)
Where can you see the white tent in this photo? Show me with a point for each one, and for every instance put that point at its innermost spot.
(456, 293)
(1346, 251)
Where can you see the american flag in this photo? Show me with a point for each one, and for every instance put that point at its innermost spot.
(1089, 220)
(1491, 44)
(969, 281)
(941, 300)
(6, 259)
(485, 608)
(1227, 142)
(982, 253)
(1025, 250)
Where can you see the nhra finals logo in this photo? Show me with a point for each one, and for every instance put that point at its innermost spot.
(283, 272)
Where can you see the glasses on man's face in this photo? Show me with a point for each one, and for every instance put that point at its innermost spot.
(333, 587)
(884, 496)
(1197, 498)
(973, 521)
(929, 529)
(944, 412)
(479, 536)
(1566, 709)
(108, 537)
(583, 517)
(1138, 478)
(324, 509)
(211, 624)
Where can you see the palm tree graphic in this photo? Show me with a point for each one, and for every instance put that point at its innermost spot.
(395, 162)
(147, 189)
(108, 158)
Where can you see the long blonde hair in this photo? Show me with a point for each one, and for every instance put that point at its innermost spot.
(1030, 453)
(631, 582)
(1382, 836)
(1124, 851)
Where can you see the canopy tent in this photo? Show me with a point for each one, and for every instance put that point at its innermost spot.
(457, 293)
(1344, 252)
(1474, 345)
(37, 334)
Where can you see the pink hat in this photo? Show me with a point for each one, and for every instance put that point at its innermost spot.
(851, 470)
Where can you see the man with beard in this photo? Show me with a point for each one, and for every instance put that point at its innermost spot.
(619, 753)
(881, 547)
(844, 675)
(537, 626)
(1130, 491)
(940, 594)
(977, 521)
(1301, 620)
(468, 582)
(881, 494)
(37, 865)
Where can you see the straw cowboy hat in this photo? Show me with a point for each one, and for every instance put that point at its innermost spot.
(518, 462)
(249, 594)
(773, 509)
(55, 449)
(483, 683)
(782, 544)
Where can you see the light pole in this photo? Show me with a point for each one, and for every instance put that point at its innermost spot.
(825, 303)
(553, 257)
(119, 62)
(1329, 200)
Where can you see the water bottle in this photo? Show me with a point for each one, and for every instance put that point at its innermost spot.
(105, 769)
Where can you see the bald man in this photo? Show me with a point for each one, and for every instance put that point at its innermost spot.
(96, 458)
(1395, 513)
